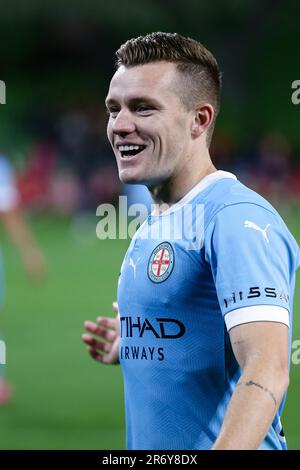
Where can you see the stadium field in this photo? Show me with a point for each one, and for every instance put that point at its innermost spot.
(63, 399)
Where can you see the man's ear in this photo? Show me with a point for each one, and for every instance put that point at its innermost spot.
(203, 118)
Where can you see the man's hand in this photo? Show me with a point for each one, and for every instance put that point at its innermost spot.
(105, 347)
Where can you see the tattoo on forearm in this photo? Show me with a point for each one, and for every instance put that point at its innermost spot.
(265, 389)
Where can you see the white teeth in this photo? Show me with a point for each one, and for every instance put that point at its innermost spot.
(126, 148)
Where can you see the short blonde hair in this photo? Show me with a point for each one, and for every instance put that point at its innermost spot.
(198, 68)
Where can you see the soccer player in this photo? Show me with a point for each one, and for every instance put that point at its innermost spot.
(19, 232)
(203, 331)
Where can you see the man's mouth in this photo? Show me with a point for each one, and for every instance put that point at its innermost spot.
(128, 151)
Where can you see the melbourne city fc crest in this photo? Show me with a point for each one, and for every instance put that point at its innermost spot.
(161, 262)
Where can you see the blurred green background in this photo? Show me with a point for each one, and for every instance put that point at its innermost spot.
(56, 61)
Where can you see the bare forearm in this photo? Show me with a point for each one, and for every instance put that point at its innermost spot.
(21, 235)
(251, 409)
(17, 229)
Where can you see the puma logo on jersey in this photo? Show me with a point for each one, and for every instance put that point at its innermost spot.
(250, 224)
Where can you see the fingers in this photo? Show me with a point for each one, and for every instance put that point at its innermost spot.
(96, 348)
(106, 322)
(96, 355)
(107, 334)
(104, 348)
(108, 357)
(96, 345)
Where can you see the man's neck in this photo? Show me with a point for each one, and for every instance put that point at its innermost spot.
(173, 190)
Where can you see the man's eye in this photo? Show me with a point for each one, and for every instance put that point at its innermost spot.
(144, 108)
(112, 112)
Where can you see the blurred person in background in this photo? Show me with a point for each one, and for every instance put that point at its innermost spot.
(271, 170)
(84, 151)
(19, 232)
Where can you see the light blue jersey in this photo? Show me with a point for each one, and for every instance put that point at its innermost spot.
(9, 196)
(9, 200)
(177, 302)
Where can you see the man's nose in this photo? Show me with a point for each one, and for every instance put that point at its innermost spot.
(123, 123)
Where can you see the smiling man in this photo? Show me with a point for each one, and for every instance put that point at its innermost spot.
(202, 332)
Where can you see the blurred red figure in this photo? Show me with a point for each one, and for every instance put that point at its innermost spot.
(273, 170)
(34, 183)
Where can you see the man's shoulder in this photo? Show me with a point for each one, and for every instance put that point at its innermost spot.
(235, 206)
(230, 193)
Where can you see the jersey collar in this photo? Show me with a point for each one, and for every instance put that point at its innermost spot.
(198, 188)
